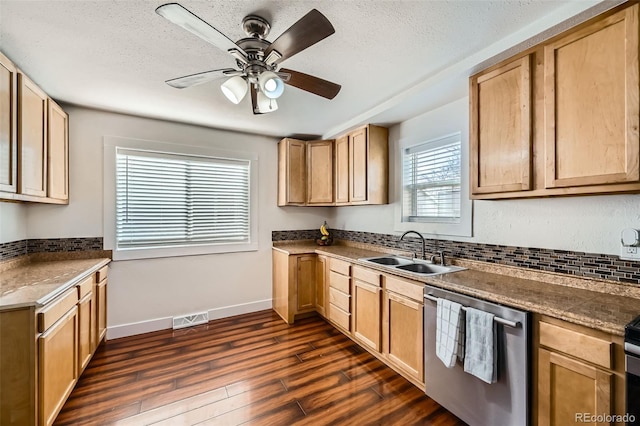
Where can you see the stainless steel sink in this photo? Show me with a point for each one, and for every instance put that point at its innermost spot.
(388, 260)
(416, 266)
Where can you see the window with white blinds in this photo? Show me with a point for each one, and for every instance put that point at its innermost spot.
(431, 181)
(171, 200)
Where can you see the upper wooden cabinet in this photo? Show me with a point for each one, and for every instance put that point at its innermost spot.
(292, 172)
(342, 170)
(58, 152)
(501, 123)
(32, 138)
(353, 169)
(591, 104)
(362, 166)
(561, 118)
(8, 125)
(34, 141)
(320, 172)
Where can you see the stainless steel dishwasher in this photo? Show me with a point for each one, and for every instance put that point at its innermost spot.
(504, 403)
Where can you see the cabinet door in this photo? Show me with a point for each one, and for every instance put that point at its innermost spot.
(568, 388)
(321, 285)
(32, 138)
(367, 319)
(342, 170)
(591, 104)
(101, 311)
(358, 161)
(57, 365)
(501, 141)
(405, 334)
(320, 172)
(58, 152)
(86, 326)
(305, 282)
(281, 293)
(8, 125)
(292, 171)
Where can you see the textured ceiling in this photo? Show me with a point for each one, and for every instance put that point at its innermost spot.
(116, 55)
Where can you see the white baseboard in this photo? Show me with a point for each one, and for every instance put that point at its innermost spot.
(125, 330)
(243, 308)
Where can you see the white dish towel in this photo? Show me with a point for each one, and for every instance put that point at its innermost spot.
(481, 353)
(448, 331)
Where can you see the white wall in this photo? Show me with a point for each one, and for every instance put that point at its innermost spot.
(13, 222)
(143, 290)
(585, 223)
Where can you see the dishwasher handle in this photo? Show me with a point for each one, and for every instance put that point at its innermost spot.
(499, 320)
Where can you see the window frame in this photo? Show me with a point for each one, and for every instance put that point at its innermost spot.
(435, 228)
(430, 145)
(111, 145)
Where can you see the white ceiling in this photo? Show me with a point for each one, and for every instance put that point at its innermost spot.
(394, 59)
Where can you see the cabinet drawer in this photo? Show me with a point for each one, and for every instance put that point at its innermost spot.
(102, 274)
(53, 311)
(340, 299)
(579, 345)
(340, 266)
(366, 275)
(340, 317)
(85, 287)
(405, 288)
(339, 282)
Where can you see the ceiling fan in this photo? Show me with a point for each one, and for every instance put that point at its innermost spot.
(256, 58)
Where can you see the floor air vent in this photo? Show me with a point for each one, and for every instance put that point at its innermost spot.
(191, 319)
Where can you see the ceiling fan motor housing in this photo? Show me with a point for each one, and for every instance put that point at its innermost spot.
(256, 26)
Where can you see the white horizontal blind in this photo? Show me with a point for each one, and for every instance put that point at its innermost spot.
(165, 200)
(431, 181)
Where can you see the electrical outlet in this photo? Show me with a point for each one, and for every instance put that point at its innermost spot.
(630, 248)
(629, 253)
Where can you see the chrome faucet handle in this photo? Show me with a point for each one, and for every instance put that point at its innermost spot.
(433, 259)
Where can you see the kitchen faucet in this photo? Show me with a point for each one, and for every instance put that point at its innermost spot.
(424, 257)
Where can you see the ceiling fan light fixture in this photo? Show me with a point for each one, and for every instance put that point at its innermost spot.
(265, 104)
(271, 85)
(235, 89)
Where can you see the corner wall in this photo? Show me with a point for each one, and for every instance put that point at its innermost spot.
(144, 294)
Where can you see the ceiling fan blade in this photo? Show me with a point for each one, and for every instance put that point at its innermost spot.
(182, 17)
(309, 30)
(254, 100)
(201, 77)
(312, 84)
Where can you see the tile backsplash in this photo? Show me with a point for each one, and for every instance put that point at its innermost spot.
(49, 245)
(602, 266)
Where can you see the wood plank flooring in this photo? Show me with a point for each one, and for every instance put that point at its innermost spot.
(249, 369)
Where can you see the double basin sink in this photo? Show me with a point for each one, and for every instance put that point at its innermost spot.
(415, 266)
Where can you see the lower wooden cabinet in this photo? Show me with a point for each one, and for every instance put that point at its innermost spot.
(340, 294)
(568, 388)
(367, 316)
(580, 372)
(43, 351)
(322, 269)
(294, 284)
(57, 365)
(403, 327)
(100, 329)
(86, 325)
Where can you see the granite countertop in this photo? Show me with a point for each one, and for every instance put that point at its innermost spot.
(36, 283)
(592, 303)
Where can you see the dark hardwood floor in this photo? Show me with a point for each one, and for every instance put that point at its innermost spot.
(249, 369)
